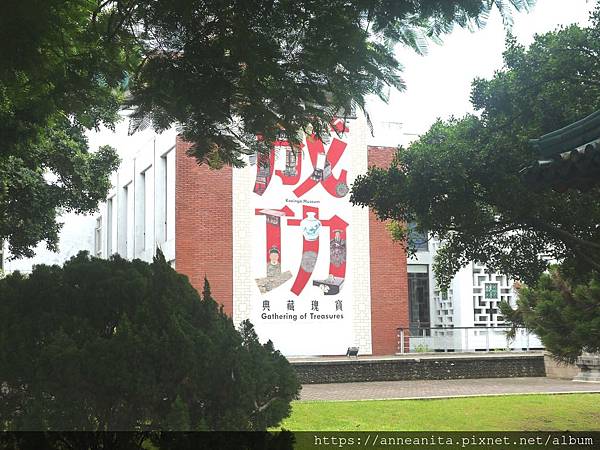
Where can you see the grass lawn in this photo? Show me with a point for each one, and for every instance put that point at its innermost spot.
(506, 413)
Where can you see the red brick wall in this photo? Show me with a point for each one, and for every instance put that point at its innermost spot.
(204, 238)
(389, 280)
(203, 225)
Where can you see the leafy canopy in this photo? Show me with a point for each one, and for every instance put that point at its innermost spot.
(102, 345)
(460, 180)
(60, 74)
(228, 71)
(224, 71)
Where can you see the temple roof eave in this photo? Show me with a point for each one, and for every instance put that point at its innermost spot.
(569, 137)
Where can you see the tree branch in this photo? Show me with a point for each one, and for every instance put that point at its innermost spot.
(508, 226)
(265, 406)
(65, 441)
(563, 235)
(589, 260)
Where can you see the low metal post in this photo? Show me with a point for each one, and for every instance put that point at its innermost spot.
(527, 332)
(444, 340)
(487, 339)
(401, 340)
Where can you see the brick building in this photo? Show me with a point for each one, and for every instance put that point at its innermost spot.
(278, 240)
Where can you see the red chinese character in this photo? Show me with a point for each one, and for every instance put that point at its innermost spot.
(311, 226)
(323, 165)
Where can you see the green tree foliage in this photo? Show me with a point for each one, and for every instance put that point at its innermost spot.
(224, 71)
(59, 74)
(116, 345)
(228, 71)
(461, 179)
(565, 315)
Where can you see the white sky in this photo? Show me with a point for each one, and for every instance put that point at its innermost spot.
(439, 84)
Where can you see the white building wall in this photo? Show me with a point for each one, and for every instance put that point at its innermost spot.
(143, 197)
(361, 280)
(462, 289)
(243, 181)
(77, 234)
(465, 305)
(139, 152)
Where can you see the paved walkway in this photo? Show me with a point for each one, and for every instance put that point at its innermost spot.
(419, 389)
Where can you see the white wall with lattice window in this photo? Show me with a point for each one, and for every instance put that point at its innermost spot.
(465, 303)
(443, 307)
(489, 290)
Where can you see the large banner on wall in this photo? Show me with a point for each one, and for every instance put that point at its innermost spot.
(301, 251)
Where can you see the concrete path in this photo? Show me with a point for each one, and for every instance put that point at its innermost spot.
(420, 389)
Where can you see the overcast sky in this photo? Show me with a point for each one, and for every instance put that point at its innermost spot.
(439, 84)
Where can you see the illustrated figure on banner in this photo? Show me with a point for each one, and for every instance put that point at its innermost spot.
(274, 276)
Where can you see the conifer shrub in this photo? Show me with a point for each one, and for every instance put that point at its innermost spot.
(563, 310)
(126, 345)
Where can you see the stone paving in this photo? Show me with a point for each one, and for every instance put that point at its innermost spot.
(420, 389)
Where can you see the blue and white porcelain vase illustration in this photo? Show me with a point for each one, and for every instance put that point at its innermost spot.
(311, 226)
